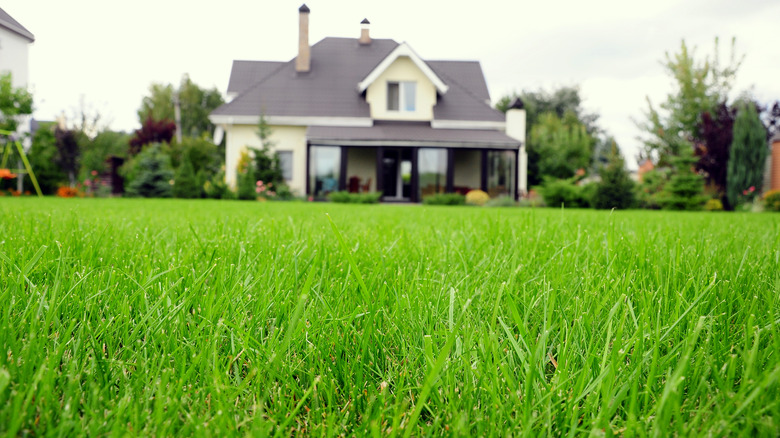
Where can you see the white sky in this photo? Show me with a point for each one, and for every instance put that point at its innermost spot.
(109, 52)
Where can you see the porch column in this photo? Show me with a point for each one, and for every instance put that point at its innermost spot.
(483, 172)
(380, 180)
(450, 170)
(343, 169)
(415, 183)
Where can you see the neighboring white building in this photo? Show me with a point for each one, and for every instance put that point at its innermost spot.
(365, 114)
(15, 41)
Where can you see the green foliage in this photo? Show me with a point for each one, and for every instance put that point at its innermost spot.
(651, 187)
(186, 184)
(685, 188)
(772, 200)
(445, 199)
(216, 187)
(616, 189)
(501, 201)
(713, 205)
(557, 117)
(96, 151)
(748, 154)
(344, 197)
(563, 192)
(43, 160)
(699, 86)
(247, 184)
(14, 102)
(477, 197)
(149, 174)
(196, 104)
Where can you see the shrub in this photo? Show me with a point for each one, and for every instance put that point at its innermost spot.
(185, 183)
(650, 188)
(588, 194)
(772, 200)
(616, 190)
(477, 197)
(685, 187)
(445, 199)
(501, 201)
(557, 192)
(216, 188)
(149, 174)
(344, 197)
(713, 205)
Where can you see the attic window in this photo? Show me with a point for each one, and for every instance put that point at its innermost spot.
(401, 96)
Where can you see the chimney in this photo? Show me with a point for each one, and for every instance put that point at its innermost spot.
(365, 38)
(303, 61)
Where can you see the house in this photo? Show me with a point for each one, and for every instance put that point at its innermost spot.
(365, 114)
(14, 45)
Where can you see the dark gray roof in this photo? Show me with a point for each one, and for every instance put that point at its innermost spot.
(330, 88)
(418, 134)
(8, 22)
(244, 74)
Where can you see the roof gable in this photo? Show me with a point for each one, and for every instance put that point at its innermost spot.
(403, 49)
(8, 22)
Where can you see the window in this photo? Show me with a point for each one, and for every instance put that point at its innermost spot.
(501, 167)
(402, 96)
(432, 171)
(324, 167)
(286, 164)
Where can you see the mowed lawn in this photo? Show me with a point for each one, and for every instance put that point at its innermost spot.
(172, 317)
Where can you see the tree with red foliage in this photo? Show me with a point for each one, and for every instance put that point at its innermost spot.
(714, 146)
(152, 131)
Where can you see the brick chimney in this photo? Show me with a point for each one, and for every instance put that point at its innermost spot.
(303, 61)
(365, 38)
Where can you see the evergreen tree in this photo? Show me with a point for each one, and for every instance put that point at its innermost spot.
(616, 189)
(267, 166)
(685, 187)
(185, 182)
(150, 174)
(748, 153)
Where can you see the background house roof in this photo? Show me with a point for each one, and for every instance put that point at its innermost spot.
(330, 88)
(400, 133)
(8, 22)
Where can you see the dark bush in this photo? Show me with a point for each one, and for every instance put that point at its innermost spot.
(149, 174)
(344, 197)
(445, 199)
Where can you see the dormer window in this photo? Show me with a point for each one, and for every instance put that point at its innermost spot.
(401, 96)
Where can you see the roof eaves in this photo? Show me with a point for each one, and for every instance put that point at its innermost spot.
(8, 22)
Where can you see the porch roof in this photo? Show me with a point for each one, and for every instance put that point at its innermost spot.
(409, 134)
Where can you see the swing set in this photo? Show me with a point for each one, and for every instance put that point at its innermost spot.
(5, 172)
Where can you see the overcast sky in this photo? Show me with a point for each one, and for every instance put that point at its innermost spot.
(109, 52)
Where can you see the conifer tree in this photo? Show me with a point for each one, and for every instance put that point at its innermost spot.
(748, 154)
(616, 190)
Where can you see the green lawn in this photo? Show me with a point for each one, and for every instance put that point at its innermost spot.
(169, 317)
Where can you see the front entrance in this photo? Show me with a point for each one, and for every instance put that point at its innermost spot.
(397, 174)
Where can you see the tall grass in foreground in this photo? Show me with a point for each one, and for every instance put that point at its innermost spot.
(178, 317)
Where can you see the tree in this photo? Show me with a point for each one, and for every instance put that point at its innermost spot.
(68, 152)
(185, 182)
(14, 102)
(152, 131)
(699, 86)
(748, 153)
(196, 104)
(562, 145)
(95, 151)
(616, 189)
(267, 166)
(563, 103)
(149, 174)
(714, 144)
(43, 159)
(684, 189)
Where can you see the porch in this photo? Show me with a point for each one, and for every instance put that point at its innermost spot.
(410, 173)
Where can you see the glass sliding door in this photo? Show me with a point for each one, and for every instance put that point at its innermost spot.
(432, 171)
(501, 168)
(324, 167)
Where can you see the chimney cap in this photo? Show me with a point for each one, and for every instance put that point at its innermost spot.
(304, 8)
(516, 103)
(365, 21)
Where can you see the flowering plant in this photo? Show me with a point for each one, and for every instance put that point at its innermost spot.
(265, 190)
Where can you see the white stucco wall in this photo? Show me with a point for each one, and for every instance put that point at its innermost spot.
(403, 69)
(515, 128)
(285, 138)
(14, 57)
(361, 162)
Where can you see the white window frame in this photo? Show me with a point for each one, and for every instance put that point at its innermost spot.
(402, 96)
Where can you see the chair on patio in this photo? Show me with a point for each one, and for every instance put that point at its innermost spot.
(365, 188)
